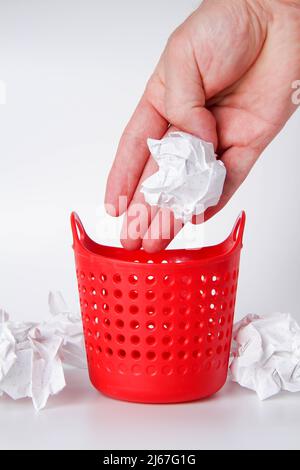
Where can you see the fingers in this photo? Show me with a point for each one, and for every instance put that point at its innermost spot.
(146, 226)
(132, 155)
(150, 227)
(164, 227)
(139, 214)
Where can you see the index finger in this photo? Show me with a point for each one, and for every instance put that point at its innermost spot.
(132, 155)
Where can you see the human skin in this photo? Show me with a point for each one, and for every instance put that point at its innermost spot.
(226, 76)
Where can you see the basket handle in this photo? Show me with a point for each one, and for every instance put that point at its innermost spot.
(78, 231)
(238, 229)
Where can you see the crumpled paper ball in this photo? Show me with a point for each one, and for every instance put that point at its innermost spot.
(190, 178)
(266, 354)
(32, 354)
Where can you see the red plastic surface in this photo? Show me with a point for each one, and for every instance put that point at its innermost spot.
(157, 327)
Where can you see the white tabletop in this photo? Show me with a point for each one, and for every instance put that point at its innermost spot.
(81, 418)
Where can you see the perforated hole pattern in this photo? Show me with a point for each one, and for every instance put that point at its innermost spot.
(158, 319)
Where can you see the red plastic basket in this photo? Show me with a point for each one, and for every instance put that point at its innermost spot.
(157, 327)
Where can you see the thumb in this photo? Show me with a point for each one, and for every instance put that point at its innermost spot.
(184, 92)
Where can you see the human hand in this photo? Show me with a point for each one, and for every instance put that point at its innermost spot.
(224, 76)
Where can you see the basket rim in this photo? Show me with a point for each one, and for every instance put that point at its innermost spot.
(83, 245)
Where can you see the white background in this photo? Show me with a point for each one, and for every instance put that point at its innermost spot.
(74, 71)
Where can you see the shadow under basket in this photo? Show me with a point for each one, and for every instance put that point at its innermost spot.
(157, 327)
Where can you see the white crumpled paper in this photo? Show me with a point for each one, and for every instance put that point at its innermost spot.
(32, 354)
(190, 178)
(266, 354)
